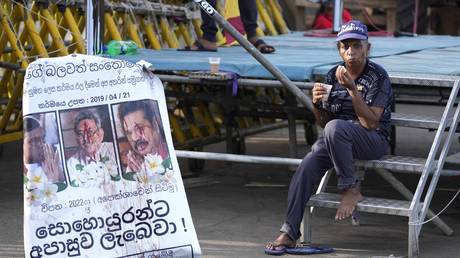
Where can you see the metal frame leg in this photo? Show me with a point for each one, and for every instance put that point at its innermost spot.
(292, 129)
(305, 226)
(292, 126)
(292, 136)
(413, 244)
(390, 178)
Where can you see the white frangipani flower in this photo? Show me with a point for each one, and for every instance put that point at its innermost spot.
(37, 179)
(95, 174)
(81, 178)
(49, 192)
(153, 164)
(34, 197)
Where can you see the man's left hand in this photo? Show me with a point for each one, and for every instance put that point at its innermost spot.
(344, 78)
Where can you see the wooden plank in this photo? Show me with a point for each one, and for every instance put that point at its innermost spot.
(305, 3)
(357, 4)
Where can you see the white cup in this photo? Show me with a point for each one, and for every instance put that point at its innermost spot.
(328, 88)
(214, 63)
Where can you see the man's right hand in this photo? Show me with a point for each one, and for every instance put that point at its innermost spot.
(317, 93)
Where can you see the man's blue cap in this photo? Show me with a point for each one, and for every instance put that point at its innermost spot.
(353, 29)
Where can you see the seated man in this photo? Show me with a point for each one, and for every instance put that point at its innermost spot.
(356, 121)
(38, 154)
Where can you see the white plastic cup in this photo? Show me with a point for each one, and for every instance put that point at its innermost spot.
(214, 63)
(328, 88)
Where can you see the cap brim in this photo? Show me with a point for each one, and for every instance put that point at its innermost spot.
(351, 36)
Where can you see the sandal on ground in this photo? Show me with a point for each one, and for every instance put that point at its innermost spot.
(263, 47)
(272, 249)
(308, 249)
(199, 47)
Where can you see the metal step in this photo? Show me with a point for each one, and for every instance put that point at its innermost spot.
(368, 204)
(403, 164)
(415, 121)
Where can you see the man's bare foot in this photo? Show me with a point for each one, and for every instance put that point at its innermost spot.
(350, 199)
(282, 241)
(203, 44)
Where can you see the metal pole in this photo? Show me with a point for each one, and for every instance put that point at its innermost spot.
(99, 25)
(414, 26)
(255, 53)
(237, 158)
(89, 28)
(292, 129)
(241, 82)
(338, 11)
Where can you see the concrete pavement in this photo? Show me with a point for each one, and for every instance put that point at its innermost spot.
(243, 206)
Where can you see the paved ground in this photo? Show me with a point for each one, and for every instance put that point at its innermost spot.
(244, 207)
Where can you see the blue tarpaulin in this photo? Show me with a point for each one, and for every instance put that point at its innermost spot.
(300, 57)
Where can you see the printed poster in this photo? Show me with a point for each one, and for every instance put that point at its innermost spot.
(101, 178)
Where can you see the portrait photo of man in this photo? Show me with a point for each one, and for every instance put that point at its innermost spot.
(89, 148)
(43, 164)
(140, 124)
(42, 159)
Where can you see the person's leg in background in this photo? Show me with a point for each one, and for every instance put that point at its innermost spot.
(248, 13)
(209, 28)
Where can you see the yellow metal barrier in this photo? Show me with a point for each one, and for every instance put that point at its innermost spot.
(176, 129)
(147, 27)
(111, 27)
(185, 34)
(277, 16)
(197, 27)
(132, 30)
(266, 18)
(54, 32)
(71, 23)
(34, 35)
(166, 33)
(51, 28)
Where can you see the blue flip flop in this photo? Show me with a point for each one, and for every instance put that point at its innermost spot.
(308, 249)
(275, 250)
